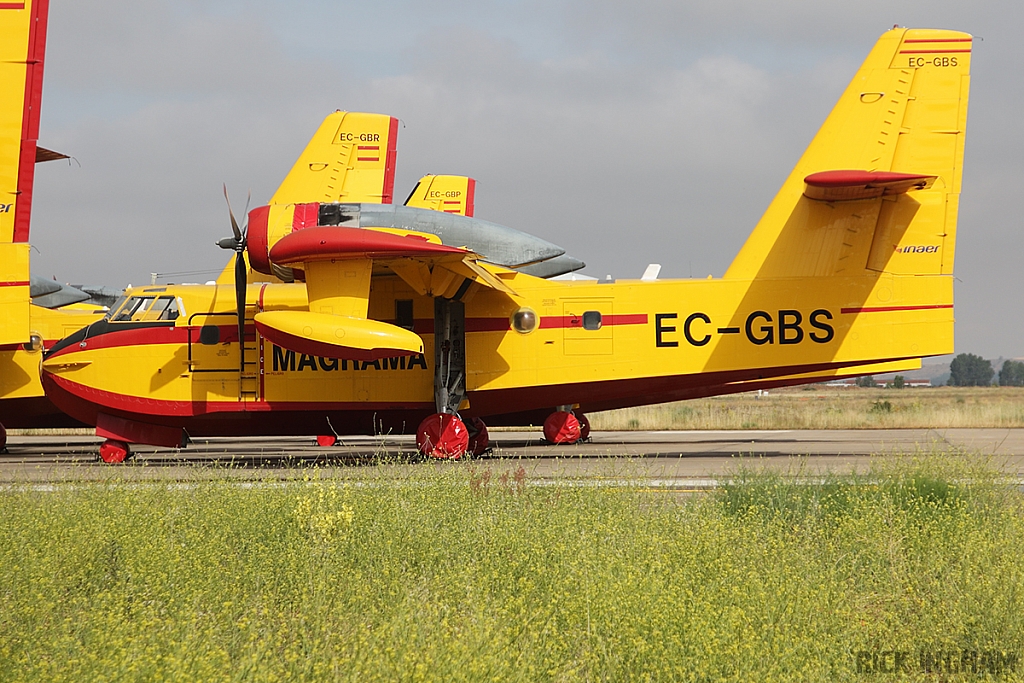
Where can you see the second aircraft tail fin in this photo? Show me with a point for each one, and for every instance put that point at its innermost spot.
(351, 158)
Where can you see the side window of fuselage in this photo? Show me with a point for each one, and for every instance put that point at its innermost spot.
(171, 312)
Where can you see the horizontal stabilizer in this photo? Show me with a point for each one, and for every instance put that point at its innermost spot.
(43, 154)
(838, 186)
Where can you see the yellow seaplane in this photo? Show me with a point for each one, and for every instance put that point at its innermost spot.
(382, 318)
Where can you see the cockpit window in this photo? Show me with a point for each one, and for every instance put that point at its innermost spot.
(164, 308)
(146, 308)
(112, 311)
(131, 307)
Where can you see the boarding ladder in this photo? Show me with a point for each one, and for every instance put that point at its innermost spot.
(249, 347)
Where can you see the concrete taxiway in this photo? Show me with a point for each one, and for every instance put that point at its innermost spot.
(690, 458)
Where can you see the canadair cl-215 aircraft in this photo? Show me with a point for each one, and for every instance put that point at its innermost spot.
(848, 272)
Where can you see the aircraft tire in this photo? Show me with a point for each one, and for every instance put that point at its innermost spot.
(443, 436)
(479, 440)
(326, 440)
(114, 451)
(561, 428)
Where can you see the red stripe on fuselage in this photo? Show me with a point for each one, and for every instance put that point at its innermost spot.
(573, 321)
(229, 334)
(153, 335)
(15, 283)
(84, 402)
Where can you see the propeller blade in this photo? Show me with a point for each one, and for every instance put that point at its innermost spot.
(234, 223)
(245, 228)
(240, 287)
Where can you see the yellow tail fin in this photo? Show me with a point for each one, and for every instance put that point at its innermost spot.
(877, 190)
(447, 193)
(22, 42)
(351, 158)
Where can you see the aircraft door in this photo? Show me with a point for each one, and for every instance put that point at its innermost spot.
(213, 352)
(585, 328)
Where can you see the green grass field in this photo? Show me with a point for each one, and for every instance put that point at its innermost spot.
(819, 407)
(459, 574)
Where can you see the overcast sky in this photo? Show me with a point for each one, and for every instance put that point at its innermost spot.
(628, 133)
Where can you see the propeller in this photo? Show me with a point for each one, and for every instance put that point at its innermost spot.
(237, 244)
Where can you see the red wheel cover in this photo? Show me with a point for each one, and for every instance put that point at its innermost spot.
(561, 428)
(114, 451)
(478, 442)
(584, 426)
(442, 435)
(326, 440)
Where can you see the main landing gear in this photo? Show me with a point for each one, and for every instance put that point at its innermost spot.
(566, 427)
(444, 434)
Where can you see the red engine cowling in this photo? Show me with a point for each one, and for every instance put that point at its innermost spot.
(268, 224)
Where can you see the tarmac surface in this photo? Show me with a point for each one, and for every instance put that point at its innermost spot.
(676, 459)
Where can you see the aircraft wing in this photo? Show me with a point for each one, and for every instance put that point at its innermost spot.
(338, 263)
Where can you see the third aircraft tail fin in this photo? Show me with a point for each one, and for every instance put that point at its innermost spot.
(447, 193)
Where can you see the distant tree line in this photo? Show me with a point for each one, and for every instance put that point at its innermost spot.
(970, 370)
(1012, 374)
